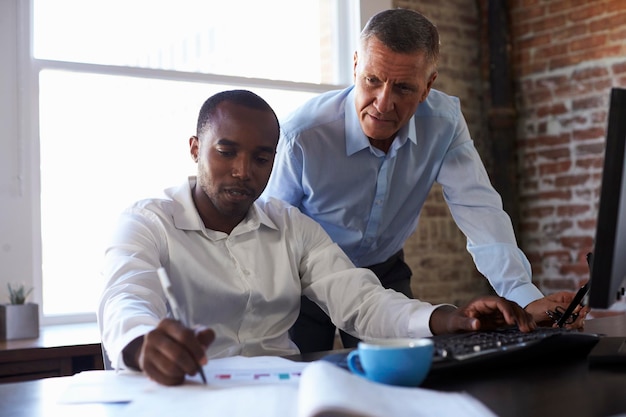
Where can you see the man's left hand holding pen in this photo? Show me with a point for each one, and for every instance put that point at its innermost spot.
(169, 352)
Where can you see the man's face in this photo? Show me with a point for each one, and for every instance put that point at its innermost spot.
(235, 156)
(389, 86)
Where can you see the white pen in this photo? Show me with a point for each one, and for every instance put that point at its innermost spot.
(176, 311)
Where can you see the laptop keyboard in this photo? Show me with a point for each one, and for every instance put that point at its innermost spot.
(507, 346)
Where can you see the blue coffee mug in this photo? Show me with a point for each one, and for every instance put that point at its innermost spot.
(398, 361)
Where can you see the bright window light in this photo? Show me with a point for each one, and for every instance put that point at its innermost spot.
(120, 86)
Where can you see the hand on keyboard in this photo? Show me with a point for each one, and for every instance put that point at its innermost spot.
(483, 313)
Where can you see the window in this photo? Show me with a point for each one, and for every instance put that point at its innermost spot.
(110, 99)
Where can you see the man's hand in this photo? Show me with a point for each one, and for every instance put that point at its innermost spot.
(483, 313)
(539, 308)
(169, 352)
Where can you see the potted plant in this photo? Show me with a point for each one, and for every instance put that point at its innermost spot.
(19, 319)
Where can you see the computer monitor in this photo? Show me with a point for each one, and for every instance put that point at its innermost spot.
(608, 261)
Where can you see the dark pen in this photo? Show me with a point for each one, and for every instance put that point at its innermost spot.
(578, 298)
(169, 294)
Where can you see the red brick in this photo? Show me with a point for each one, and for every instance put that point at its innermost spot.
(572, 210)
(596, 8)
(590, 163)
(550, 141)
(608, 22)
(587, 224)
(565, 61)
(588, 103)
(577, 242)
(570, 32)
(616, 6)
(563, 6)
(571, 180)
(586, 73)
(551, 51)
(590, 149)
(590, 133)
(555, 168)
(555, 153)
(588, 42)
(554, 195)
(548, 23)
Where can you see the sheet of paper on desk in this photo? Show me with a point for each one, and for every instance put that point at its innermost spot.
(125, 386)
(106, 387)
(324, 389)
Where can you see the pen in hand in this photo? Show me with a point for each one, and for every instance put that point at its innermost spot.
(178, 315)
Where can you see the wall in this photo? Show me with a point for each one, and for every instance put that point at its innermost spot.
(567, 56)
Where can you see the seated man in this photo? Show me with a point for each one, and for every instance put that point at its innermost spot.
(239, 266)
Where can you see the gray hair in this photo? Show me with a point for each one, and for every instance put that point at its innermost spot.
(404, 31)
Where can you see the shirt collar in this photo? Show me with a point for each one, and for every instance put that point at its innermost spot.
(356, 139)
(186, 216)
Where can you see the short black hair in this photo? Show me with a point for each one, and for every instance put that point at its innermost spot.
(241, 97)
(404, 31)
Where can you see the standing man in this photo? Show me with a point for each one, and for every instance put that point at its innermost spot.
(361, 162)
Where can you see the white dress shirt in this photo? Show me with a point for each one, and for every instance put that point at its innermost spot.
(246, 285)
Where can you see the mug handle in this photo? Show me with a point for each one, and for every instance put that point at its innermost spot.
(354, 364)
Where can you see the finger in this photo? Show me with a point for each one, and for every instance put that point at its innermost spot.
(190, 351)
(158, 368)
(513, 314)
(155, 363)
(579, 323)
(170, 351)
(205, 336)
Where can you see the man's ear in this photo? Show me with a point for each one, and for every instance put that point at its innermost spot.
(355, 61)
(194, 146)
(429, 85)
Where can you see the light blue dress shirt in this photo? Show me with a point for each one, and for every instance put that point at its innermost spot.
(369, 201)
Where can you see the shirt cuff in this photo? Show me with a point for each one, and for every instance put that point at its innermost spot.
(419, 323)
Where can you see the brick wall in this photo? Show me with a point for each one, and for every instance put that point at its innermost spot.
(567, 56)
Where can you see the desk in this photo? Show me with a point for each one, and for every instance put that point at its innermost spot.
(60, 350)
(561, 390)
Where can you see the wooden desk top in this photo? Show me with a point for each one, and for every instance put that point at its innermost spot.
(572, 389)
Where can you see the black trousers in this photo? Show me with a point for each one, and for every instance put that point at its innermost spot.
(313, 330)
